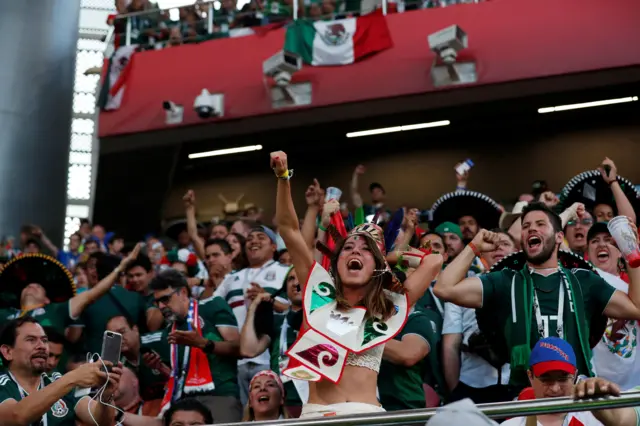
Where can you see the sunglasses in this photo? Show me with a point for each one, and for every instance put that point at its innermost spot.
(164, 299)
(585, 222)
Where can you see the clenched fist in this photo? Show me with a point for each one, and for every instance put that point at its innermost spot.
(486, 241)
(279, 162)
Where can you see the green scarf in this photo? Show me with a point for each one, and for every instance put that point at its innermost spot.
(518, 334)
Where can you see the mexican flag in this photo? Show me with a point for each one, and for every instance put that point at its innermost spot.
(115, 79)
(338, 42)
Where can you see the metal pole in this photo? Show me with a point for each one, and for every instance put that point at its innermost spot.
(384, 7)
(295, 10)
(498, 410)
(127, 36)
(210, 18)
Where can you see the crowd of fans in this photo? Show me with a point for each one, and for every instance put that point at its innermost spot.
(212, 314)
(152, 28)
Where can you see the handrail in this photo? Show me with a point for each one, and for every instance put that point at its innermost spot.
(498, 410)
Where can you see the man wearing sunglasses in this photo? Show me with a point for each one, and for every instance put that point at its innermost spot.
(552, 374)
(201, 345)
(576, 233)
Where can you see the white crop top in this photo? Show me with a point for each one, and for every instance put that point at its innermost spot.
(369, 359)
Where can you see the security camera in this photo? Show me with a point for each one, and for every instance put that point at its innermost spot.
(281, 67)
(208, 105)
(173, 112)
(169, 106)
(448, 42)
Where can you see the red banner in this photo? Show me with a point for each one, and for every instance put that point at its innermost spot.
(509, 39)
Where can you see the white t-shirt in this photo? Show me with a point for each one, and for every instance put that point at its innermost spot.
(616, 358)
(584, 417)
(234, 288)
(474, 370)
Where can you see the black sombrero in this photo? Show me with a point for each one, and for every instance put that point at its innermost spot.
(26, 269)
(516, 262)
(590, 189)
(452, 206)
(174, 228)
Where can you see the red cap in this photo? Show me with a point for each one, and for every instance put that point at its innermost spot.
(546, 366)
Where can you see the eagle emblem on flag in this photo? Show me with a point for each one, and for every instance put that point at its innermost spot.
(335, 34)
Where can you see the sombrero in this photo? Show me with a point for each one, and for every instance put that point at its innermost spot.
(590, 189)
(452, 206)
(26, 269)
(174, 228)
(516, 262)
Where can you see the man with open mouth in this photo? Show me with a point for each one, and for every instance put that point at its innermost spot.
(540, 293)
(603, 193)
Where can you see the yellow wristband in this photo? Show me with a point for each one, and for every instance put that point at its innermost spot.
(284, 175)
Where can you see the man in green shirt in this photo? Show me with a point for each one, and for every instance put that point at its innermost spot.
(116, 301)
(209, 327)
(281, 336)
(29, 396)
(404, 362)
(151, 380)
(570, 301)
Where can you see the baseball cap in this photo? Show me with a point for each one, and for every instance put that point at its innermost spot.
(265, 230)
(598, 228)
(552, 354)
(449, 227)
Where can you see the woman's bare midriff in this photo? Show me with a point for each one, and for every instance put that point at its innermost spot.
(358, 384)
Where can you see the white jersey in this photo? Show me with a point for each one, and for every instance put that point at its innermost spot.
(233, 289)
(615, 357)
(582, 418)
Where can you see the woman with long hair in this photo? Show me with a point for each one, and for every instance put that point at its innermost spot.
(266, 398)
(237, 243)
(350, 312)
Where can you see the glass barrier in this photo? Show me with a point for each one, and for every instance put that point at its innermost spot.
(159, 28)
(501, 410)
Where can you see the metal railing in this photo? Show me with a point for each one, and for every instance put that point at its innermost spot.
(208, 6)
(500, 410)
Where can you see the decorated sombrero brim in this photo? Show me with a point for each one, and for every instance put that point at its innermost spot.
(568, 259)
(590, 189)
(37, 268)
(452, 206)
(174, 228)
(516, 261)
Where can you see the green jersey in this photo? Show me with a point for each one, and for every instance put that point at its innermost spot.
(400, 387)
(151, 382)
(54, 315)
(277, 352)
(497, 299)
(429, 302)
(62, 413)
(96, 316)
(215, 313)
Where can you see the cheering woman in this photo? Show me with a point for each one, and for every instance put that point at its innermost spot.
(349, 311)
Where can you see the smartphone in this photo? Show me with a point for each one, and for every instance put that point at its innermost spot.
(111, 346)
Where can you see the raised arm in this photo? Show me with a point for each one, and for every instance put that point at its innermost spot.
(78, 303)
(288, 225)
(192, 224)
(452, 286)
(314, 197)
(250, 344)
(356, 198)
(420, 280)
(622, 202)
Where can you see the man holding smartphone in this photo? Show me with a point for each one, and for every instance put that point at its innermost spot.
(204, 344)
(29, 396)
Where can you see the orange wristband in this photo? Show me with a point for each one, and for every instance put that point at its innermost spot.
(474, 249)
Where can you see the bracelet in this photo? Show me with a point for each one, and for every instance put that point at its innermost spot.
(474, 249)
(287, 175)
(322, 228)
